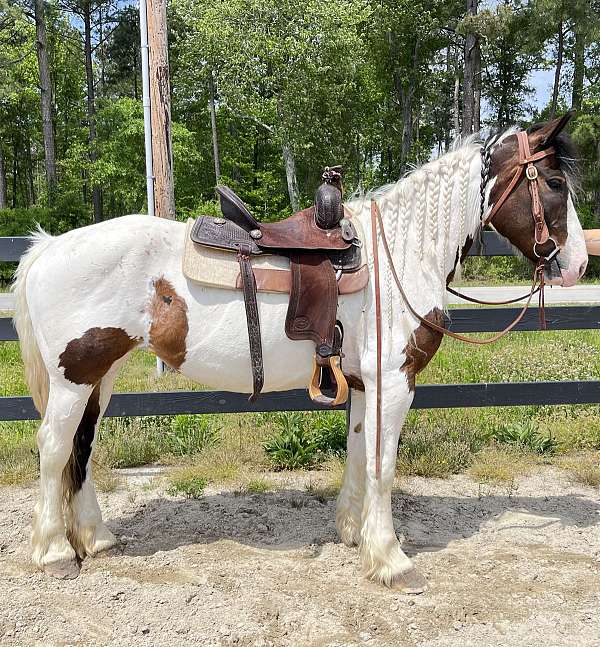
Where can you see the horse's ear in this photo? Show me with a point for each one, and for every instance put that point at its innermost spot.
(545, 134)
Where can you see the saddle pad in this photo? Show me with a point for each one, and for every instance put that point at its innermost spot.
(220, 269)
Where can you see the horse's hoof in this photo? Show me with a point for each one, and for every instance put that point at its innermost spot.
(64, 569)
(411, 582)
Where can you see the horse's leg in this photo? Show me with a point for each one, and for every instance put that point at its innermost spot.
(87, 532)
(350, 499)
(382, 558)
(52, 551)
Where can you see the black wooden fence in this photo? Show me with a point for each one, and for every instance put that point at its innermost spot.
(428, 396)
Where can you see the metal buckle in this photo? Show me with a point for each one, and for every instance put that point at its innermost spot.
(531, 172)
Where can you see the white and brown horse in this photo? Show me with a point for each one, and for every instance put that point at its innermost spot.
(86, 299)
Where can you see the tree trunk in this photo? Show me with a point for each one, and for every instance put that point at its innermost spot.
(3, 188)
(290, 174)
(91, 105)
(456, 99)
(30, 189)
(45, 97)
(557, 69)
(596, 206)
(477, 88)
(578, 70)
(213, 126)
(160, 98)
(472, 56)
(15, 172)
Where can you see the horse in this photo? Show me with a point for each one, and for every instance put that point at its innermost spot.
(87, 298)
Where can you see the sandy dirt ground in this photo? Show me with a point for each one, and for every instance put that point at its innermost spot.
(512, 568)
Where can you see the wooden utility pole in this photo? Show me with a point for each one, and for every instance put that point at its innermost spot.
(160, 99)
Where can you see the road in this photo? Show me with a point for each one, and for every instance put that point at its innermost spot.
(576, 294)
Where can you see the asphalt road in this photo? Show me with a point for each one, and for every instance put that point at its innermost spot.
(576, 294)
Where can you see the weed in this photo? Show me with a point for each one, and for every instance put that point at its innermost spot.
(303, 440)
(187, 482)
(329, 432)
(323, 492)
(258, 485)
(435, 452)
(525, 435)
(494, 465)
(584, 467)
(293, 447)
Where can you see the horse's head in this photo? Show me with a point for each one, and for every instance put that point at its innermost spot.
(530, 200)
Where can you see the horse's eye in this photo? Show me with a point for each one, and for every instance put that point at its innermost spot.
(556, 184)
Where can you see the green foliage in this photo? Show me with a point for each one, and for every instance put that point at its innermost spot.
(436, 452)
(130, 442)
(187, 483)
(303, 440)
(526, 436)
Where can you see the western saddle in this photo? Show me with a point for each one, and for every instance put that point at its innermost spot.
(321, 244)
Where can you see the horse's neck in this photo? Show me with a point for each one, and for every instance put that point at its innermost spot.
(430, 215)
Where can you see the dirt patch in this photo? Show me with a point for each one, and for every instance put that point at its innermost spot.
(505, 568)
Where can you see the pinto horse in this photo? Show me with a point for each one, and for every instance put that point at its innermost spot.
(87, 298)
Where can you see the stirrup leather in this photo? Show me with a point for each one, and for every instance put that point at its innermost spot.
(314, 388)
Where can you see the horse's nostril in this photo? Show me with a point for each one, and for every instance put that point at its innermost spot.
(582, 268)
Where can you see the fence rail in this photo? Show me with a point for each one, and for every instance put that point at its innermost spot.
(427, 396)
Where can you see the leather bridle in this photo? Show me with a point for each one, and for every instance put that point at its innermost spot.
(526, 166)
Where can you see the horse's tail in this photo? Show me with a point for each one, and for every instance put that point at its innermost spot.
(36, 374)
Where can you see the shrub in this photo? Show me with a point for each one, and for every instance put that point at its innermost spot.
(188, 483)
(305, 440)
(526, 436)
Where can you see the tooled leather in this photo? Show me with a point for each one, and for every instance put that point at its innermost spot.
(328, 206)
(253, 321)
(313, 301)
(300, 231)
(222, 234)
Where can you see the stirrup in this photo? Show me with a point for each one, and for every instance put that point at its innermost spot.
(314, 388)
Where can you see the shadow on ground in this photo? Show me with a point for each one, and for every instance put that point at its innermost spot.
(294, 519)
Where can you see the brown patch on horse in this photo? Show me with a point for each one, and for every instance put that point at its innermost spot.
(514, 220)
(75, 471)
(169, 327)
(422, 347)
(88, 358)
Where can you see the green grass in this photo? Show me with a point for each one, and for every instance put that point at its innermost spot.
(223, 448)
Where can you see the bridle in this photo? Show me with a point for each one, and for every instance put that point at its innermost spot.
(525, 167)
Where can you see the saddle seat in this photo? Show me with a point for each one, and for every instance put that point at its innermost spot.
(318, 258)
(299, 231)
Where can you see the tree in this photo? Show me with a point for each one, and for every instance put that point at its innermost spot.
(284, 67)
(472, 74)
(45, 96)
